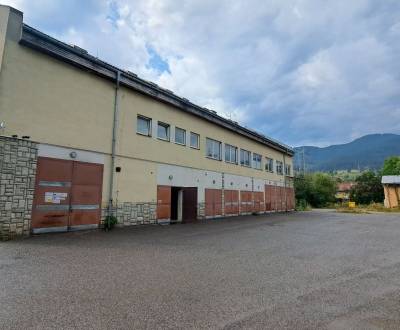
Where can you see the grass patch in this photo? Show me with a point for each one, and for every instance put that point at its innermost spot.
(373, 207)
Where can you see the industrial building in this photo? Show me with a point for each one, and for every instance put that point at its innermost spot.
(83, 139)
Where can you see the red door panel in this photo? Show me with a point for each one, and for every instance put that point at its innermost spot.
(213, 202)
(86, 189)
(163, 202)
(189, 207)
(50, 209)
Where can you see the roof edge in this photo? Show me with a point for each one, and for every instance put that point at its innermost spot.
(81, 58)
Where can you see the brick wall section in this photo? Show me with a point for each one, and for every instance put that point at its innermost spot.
(18, 160)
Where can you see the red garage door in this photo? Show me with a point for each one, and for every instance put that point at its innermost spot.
(67, 195)
(246, 202)
(258, 205)
(231, 199)
(213, 202)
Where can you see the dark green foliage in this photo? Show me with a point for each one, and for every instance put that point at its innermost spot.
(368, 189)
(109, 222)
(367, 152)
(391, 166)
(317, 189)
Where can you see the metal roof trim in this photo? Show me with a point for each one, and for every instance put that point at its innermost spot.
(44, 43)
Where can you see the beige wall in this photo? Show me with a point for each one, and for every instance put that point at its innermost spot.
(58, 104)
(4, 13)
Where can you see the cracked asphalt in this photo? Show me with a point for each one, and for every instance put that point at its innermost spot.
(308, 270)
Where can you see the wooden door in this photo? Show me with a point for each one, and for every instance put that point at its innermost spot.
(163, 202)
(213, 202)
(86, 191)
(51, 204)
(189, 204)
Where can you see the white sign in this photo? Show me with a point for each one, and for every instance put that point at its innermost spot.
(54, 197)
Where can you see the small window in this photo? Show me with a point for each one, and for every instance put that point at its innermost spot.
(180, 136)
(279, 167)
(194, 140)
(163, 131)
(269, 164)
(287, 169)
(143, 126)
(230, 154)
(257, 161)
(213, 149)
(245, 158)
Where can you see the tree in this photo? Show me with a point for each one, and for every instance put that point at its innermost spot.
(368, 189)
(391, 166)
(317, 189)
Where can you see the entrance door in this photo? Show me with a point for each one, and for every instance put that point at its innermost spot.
(189, 204)
(163, 202)
(67, 195)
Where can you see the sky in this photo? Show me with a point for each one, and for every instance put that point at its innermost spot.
(305, 72)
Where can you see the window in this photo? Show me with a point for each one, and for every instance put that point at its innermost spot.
(269, 164)
(287, 169)
(194, 140)
(245, 158)
(213, 149)
(230, 154)
(163, 131)
(257, 161)
(180, 136)
(279, 167)
(143, 126)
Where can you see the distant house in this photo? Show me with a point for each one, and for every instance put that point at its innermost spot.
(343, 191)
(391, 187)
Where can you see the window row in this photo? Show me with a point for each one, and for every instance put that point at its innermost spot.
(214, 151)
(144, 127)
(213, 147)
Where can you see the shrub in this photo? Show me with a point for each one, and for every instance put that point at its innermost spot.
(368, 189)
(109, 222)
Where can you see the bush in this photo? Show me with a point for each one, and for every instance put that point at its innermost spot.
(368, 189)
(317, 189)
(109, 222)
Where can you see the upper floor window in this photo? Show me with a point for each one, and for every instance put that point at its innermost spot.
(163, 131)
(213, 149)
(257, 161)
(143, 125)
(180, 136)
(287, 169)
(194, 140)
(279, 167)
(230, 154)
(269, 164)
(245, 158)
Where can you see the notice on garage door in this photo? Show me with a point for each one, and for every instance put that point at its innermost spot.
(54, 197)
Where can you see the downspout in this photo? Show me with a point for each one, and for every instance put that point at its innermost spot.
(113, 145)
(284, 177)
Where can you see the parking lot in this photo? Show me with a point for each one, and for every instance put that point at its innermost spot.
(309, 270)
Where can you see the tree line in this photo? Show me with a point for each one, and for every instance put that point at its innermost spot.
(318, 189)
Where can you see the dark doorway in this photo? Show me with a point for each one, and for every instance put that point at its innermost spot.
(175, 203)
(189, 207)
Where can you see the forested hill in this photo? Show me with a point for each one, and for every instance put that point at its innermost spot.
(367, 152)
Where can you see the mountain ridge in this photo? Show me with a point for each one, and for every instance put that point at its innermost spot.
(366, 152)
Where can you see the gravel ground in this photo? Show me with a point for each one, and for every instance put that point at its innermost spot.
(309, 270)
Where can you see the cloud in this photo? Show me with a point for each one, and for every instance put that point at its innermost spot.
(301, 71)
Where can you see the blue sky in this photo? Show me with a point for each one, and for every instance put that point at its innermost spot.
(304, 72)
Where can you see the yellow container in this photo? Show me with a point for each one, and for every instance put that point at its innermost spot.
(352, 205)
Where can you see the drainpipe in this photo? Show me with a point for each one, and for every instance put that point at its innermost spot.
(284, 177)
(113, 143)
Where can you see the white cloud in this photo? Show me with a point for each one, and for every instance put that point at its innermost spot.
(299, 70)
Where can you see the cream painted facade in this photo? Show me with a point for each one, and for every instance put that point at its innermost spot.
(60, 105)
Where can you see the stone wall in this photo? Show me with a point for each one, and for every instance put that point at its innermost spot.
(18, 160)
(129, 214)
